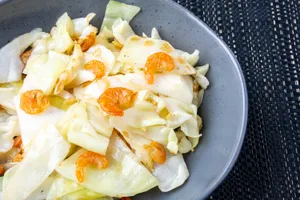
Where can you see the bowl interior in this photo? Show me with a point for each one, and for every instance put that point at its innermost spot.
(224, 110)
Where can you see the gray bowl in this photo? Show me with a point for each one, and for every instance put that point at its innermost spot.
(224, 110)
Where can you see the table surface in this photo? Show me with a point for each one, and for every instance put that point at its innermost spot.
(264, 35)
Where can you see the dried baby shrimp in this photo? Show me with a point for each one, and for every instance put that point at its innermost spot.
(157, 152)
(18, 141)
(97, 67)
(25, 56)
(87, 42)
(115, 100)
(157, 63)
(86, 159)
(34, 102)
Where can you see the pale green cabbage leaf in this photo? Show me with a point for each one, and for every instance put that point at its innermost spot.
(11, 65)
(81, 24)
(122, 30)
(103, 54)
(61, 40)
(83, 134)
(39, 47)
(44, 74)
(175, 86)
(136, 53)
(172, 173)
(98, 119)
(9, 128)
(200, 76)
(47, 150)
(28, 132)
(65, 189)
(125, 176)
(155, 34)
(8, 94)
(115, 10)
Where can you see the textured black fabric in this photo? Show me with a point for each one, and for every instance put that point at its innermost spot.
(264, 35)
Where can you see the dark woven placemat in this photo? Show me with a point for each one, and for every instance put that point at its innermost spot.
(264, 35)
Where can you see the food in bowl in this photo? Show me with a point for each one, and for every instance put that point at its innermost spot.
(96, 114)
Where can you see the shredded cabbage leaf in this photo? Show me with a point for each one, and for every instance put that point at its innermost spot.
(45, 73)
(61, 40)
(66, 189)
(80, 131)
(175, 86)
(82, 24)
(115, 10)
(11, 65)
(122, 30)
(47, 150)
(135, 52)
(28, 132)
(172, 173)
(8, 93)
(125, 176)
(9, 128)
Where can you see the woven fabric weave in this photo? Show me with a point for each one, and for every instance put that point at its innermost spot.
(264, 35)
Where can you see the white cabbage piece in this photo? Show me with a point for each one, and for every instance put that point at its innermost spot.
(9, 128)
(179, 112)
(122, 30)
(198, 98)
(184, 144)
(63, 124)
(175, 86)
(184, 116)
(137, 49)
(200, 76)
(72, 71)
(82, 76)
(192, 127)
(92, 90)
(61, 40)
(65, 189)
(139, 137)
(39, 47)
(80, 24)
(172, 173)
(103, 38)
(83, 134)
(88, 30)
(125, 176)
(144, 35)
(155, 34)
(8, 94)
(98, 118)
(11, 65)
(65, 94)
(194, 141)
(146, 95)
(192, 58)
(141, 115)
(163, 135)
(47, 150)
(202, 69)
(42, 191)
(84, 194)
(28, 132)
(137, 143)
(115, 10)
(44, 74)
(103, 54)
